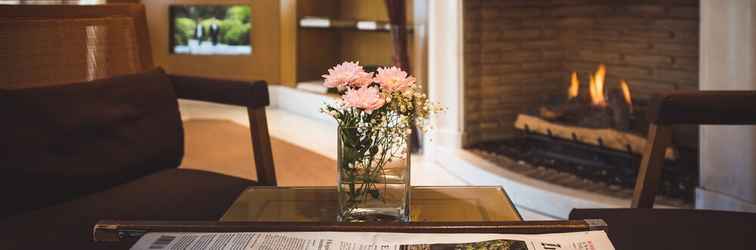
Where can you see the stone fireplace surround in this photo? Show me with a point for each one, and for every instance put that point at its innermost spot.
(726, 61)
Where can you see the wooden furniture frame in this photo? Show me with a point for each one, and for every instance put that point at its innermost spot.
(115, 231)
(255, 106)
(697, 107)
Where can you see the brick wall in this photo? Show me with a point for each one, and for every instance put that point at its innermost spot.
(518, 52)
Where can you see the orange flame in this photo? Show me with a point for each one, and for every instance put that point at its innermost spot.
(572, 92)
(596, 87)
(626, 93)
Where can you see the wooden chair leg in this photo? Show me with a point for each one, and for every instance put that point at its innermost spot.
(258, 125)
(651, 166)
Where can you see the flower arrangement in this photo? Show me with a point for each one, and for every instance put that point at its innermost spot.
(388, 98)
(374, 114)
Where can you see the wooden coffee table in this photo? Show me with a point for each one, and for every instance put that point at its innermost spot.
(319, 204)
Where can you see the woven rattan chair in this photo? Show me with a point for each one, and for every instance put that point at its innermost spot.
(91, 130)
(47, 45)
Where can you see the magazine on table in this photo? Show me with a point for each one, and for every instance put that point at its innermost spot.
(588, 240)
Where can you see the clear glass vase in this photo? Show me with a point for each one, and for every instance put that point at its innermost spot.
(373, 174)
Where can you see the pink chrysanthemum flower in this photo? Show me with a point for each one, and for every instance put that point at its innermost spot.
(394, 79)
(365, 98)
(347, 74)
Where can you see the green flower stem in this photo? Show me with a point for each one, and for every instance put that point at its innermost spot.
(365, 152)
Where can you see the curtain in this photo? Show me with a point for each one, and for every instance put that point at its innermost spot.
(398, 20)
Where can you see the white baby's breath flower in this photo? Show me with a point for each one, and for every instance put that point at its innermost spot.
(409, 91)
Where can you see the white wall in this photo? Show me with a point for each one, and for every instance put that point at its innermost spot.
(728, 153)
(445, 70)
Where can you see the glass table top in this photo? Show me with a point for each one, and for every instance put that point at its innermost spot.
(443, 204)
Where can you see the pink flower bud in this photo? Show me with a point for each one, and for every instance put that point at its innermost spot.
(365, 98)
(394, 79)
(347, 74)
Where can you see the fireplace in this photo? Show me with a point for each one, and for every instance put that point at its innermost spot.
(558, 90)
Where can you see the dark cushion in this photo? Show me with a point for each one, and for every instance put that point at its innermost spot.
(173, 194)
(64, 141)
(675, 228)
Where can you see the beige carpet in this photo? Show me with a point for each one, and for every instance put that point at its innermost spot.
(224, 147)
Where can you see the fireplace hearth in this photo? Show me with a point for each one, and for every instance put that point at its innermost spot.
(593, 133)
(558, 90)
(589, 167)
(594, 137)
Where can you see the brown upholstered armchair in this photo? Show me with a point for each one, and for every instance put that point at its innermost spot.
(91, 130)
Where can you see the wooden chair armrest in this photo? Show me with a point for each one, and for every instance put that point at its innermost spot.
(253, 95)
(704, 107)
(693, 107)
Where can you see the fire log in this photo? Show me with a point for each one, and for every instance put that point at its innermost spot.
(616, 114)
(607, 137)
(621, 110)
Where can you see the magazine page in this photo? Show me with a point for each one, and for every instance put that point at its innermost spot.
(589, 240)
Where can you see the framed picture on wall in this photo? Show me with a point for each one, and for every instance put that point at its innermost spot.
(210, 29)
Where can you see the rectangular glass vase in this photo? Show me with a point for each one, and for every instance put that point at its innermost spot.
(373, 174)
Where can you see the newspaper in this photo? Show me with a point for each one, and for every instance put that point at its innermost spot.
(589, 240)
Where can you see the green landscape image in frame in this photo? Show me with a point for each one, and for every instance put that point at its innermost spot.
(210, 29)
